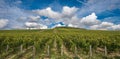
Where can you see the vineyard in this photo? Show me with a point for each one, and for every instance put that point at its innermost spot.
(59, 43)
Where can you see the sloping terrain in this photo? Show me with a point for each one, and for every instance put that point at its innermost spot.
(59, 43)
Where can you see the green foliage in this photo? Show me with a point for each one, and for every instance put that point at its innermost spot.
(70, 37)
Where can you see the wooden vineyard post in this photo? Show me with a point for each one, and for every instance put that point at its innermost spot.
(105, 51)
(90, 51)
(55, 47)
(21, 48)
(62, 50)
(34, 50)
(48, 50)
(7, 47)
(55, 44)
(75, 51)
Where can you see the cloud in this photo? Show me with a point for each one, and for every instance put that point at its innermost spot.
(71, 25)
(48, 12)
(58, 25)
(83, 17)
(31, 24)
(34, 25)
(114, 19)
(69, 11)
(3, 23)
(98, 6)
(15, 15)
(115, 27)
(69, 17)
(21, 19)
(106, 26)
(84, 22)
(43, 26)
(34, 18)
(102, 26)
(18, 2)
(73, 20)
(90, 20)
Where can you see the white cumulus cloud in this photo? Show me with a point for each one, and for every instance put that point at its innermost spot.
(41, 26)
(31, 24)
(115, 27)
(34, 25)
(105, 26)
(69, 17)
(69, 11)
(3, 22)
(90, 20)
(48, 12)
(71, 25)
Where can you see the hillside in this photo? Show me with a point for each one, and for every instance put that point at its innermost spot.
(59, 43)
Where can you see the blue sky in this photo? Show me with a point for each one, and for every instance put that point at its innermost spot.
(89, 14)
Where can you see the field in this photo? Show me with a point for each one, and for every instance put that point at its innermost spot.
(59, 43)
